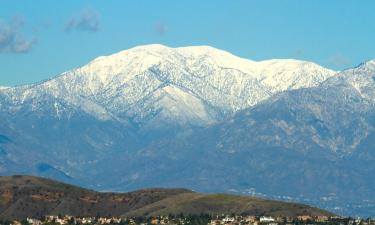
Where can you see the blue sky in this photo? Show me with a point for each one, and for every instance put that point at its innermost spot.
(40, 39)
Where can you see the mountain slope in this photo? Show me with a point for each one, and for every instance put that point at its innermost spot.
(200, 118)
(152, 84)
(23, 196)
(111, 108)
(314, 144)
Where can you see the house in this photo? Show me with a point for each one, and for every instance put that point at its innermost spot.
(251, 219)
(266, 219)
(322, 218)
(228, 219)
(34, 221)
(304, 217)
(86, 220)
(215, 222)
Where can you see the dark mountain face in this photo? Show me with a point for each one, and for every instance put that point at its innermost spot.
(24, 196)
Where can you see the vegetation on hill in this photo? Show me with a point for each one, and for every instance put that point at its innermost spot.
(26, 196)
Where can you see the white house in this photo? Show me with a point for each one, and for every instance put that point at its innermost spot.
(266, 219)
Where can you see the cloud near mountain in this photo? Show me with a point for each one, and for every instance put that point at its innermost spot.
(12, 40)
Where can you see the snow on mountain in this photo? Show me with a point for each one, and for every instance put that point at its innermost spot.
(292, 74)
(336, 116)
(306, 130)
(309, 142)
(197, 85)
(360, 78)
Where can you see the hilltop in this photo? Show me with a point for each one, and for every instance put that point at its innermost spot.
(27, 196)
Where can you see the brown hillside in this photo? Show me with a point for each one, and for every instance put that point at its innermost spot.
(26, 196)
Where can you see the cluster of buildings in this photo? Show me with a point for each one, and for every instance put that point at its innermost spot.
(304, 219)
(205, 219)
(71, 220)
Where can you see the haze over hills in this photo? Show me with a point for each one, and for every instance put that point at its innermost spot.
(200, 118)
(25, 196)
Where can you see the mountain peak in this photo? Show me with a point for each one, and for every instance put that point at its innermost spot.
(142, 58)
(159, 47)
(151, 46)
(190, 84)
(162, 51)
(370, 64)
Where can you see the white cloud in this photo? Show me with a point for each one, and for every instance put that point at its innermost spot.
(87, 20)
(11, 39)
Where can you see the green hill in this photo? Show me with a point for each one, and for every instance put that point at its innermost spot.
(26, 196)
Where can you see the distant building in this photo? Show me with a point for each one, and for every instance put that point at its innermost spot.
(228, 219)
(34, 221)
(266, 219)
(322, 218)
(305, 217)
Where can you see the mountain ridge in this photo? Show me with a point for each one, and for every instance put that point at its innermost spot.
(322, 135)
(184, 119)
(152, 67)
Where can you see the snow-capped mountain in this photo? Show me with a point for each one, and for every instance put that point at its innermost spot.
(314, 144)
(200, 118)
(360, 79)
(154, 83)
(335, 116)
